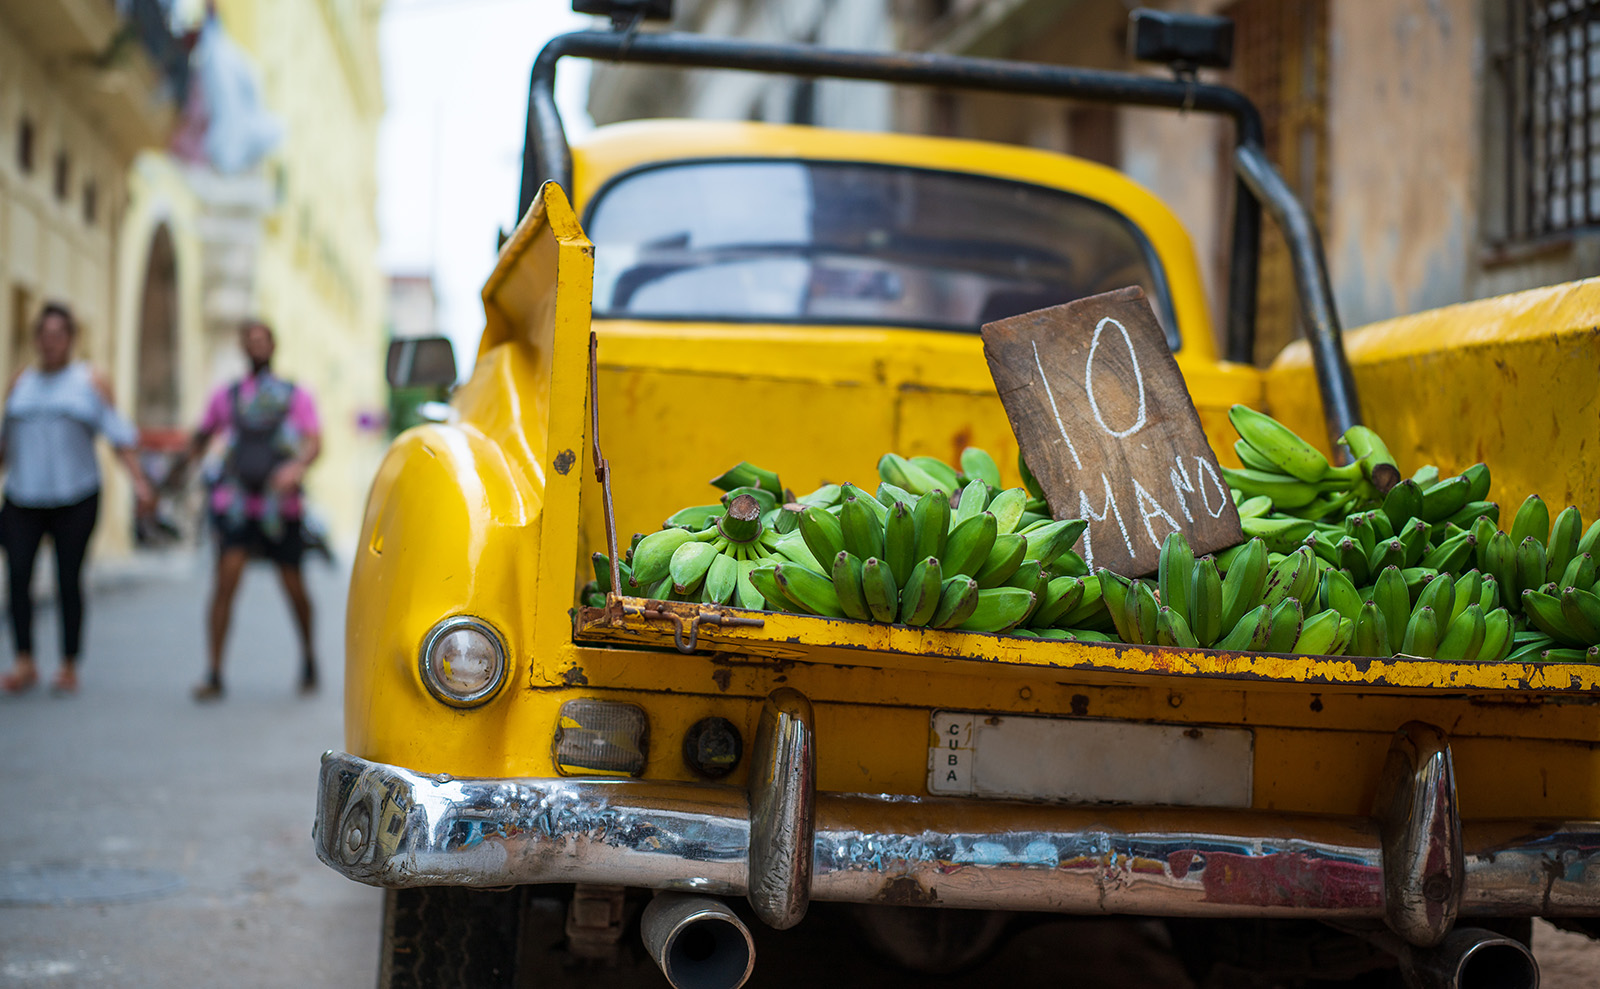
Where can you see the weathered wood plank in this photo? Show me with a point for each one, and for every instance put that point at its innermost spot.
(1105, 422)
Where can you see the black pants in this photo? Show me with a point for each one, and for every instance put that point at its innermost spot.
(69, 528)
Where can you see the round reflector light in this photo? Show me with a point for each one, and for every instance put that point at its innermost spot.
(463, 661)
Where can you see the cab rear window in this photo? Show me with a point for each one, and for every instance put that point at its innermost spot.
(832, 242)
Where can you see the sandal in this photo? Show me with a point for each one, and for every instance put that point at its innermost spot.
(210, 690)
(18, 681)
(65, 683)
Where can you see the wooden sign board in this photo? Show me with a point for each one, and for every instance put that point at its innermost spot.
(1105, 422)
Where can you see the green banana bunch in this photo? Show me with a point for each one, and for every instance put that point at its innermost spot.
(1280, 450)
(1329, 565)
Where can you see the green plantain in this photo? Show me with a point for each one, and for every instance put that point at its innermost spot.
(1005, 556)
(821, 532)
(958, 599)
(1532, 519)
(931, 518)
(1061, 595)
(1562, 546)
(900, 539)
(1250, 632)
(967, 548)
(748, 475)
(1372, 633)
(1204, 600)
(999, 609)
(978, 465)
(1389, 593)
(1007, 508)
(1464, 639)
(1176, 567)
(847, 585)
(722, 579)
(861, 530)
(919, 595)
(1242, 587)
(1173, 630)
(1284, 625)
(1278, 444)
(809, 589)
(879, 588)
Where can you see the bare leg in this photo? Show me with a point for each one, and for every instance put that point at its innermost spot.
(230, 567)
(294, 586)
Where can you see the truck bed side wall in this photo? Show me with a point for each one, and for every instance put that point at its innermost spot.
(1512, 381)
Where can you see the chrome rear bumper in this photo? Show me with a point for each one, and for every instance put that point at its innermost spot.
(1415, 866)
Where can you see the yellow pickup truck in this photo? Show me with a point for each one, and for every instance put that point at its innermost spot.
(557, 795)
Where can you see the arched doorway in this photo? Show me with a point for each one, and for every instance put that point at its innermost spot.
(156, 408)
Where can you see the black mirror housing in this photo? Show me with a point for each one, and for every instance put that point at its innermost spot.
(624, 11)
(421, 362)
(1183, 41)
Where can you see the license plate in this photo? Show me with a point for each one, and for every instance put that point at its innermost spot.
(1089, 761)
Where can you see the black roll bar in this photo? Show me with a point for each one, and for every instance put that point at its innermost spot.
(547, 155)
(1340, 409)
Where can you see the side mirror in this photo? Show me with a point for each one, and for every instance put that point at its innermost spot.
(421, 361)
(623, 11)
(1184, 41)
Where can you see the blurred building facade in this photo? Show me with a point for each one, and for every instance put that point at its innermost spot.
(1450, 149)
(288, 235)
(413, 305)
(85, 87)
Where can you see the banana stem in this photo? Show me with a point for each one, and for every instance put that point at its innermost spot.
(742, 521)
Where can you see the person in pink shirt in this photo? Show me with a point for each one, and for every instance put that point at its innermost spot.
(269, 433)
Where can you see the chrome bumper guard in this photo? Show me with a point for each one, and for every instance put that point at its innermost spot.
(1414, 865)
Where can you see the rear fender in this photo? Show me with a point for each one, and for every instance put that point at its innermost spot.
(479, 515)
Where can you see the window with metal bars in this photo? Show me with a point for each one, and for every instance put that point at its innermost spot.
(1548, 71)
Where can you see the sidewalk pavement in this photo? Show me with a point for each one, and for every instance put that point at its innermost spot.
(190, 825)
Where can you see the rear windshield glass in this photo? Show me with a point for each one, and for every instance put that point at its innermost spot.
(829, 242)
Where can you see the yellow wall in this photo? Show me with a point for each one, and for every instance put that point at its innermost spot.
(315, 272)
(49, 249)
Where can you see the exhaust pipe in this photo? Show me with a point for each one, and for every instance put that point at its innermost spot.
(1471, 958)
(698, 942)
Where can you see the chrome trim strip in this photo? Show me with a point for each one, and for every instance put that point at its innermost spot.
(1420, 829)
(388, 826)
(783, 809)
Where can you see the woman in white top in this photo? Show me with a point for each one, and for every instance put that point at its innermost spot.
(53, 411)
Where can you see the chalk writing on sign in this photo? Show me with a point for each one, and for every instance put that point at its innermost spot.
(1105, 422)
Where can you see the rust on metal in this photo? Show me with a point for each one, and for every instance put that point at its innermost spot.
(907, 892)
(793, 638)
(661, 610)
(1287, 879)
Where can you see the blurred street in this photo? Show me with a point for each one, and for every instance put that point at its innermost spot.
(130, 788)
